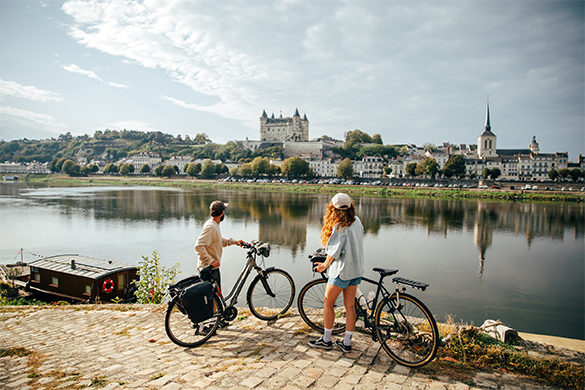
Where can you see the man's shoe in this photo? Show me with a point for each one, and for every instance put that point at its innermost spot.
(343, 347)
(223, 324)
(321, 344)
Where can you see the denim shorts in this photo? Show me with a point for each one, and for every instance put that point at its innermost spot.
(338, 282)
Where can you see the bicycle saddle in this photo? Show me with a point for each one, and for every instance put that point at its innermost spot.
(385, 271)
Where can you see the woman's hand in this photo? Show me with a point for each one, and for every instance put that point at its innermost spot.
(320, 267)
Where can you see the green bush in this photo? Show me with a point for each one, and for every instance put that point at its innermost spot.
(154, 279)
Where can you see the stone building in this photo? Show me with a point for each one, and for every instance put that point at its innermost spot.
(293, 128)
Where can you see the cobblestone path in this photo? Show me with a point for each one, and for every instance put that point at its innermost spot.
(125, 347)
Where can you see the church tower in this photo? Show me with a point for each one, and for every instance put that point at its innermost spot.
(534, 148)
(486, 143)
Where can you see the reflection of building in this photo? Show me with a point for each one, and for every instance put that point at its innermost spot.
(482, 233)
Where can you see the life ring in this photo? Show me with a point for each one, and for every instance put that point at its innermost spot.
(108, 286)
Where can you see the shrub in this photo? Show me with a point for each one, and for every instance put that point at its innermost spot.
(154, 279)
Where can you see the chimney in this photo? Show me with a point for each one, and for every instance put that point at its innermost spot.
(73, 264)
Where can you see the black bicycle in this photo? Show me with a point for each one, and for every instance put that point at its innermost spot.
(270, 294)
(402, 324)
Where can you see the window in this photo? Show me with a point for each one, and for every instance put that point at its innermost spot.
(54, 281)
(87, 290)
(122, 281)
(36, 277)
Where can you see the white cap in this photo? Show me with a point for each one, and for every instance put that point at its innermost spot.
(341, 201)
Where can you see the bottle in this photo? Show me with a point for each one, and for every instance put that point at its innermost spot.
(361, 299)
(370, 300)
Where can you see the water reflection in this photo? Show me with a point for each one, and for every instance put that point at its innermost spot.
(283, 218)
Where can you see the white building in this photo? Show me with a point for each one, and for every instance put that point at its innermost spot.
(369, 167)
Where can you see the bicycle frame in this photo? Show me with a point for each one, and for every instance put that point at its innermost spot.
(232, 297)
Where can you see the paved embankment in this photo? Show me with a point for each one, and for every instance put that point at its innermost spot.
(125, 347)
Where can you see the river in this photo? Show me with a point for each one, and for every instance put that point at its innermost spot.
(521, 263)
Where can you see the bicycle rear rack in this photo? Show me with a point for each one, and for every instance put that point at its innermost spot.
(414, 284)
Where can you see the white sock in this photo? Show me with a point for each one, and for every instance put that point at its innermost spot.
(347, 338)
(327, 335)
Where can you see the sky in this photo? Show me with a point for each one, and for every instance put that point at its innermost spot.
(411, 71)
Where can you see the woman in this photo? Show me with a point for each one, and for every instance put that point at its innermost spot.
(342, 235)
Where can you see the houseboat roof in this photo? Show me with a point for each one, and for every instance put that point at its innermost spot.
(78, 265)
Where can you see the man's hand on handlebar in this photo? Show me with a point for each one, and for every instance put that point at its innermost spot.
(241, 243)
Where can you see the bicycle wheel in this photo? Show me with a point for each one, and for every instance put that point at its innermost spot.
(182, 331)
(408, 333)
(310, 305)
(268, 307)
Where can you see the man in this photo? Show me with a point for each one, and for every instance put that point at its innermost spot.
(209, 245)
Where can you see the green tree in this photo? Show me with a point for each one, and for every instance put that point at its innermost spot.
(411, 169)
(457, 164)
(273, 170)
(564, 172)
(145, 168)
(85, 170)
(208, 169)
(345, 169)
(154, 279)
(377, 139)
(158, 171)
(131, 168)
(447, 172)
(295, 167)
(472, 175)
(54, 165)
(201, 138)
(495, 173)
(387, 170)
(193, 169)
(553, 174)
(124, 169)
(430, 167)
(576, 174)
(486, 173)
(234, 171)
(246, 169)
(59, 164)
(94, 168)
(168, 171)
(260, 166)
(110, 168)
(67, 166)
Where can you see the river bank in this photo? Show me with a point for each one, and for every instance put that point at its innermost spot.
(376, 191)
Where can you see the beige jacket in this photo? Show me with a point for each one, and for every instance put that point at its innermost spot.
(209, 245)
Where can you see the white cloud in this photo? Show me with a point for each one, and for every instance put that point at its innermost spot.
(111, 84)
(409, 70)
(29, 118)
(10, 88)
(76, 69)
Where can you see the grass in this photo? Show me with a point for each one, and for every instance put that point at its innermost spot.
(376, 191)
(471, 350)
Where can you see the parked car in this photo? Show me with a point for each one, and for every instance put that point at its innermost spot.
(512, 187)
(483, 186)
(495, 187)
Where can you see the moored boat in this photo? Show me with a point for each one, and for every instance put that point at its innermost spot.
(82, 279)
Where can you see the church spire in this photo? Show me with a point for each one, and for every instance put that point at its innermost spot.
(487, 117)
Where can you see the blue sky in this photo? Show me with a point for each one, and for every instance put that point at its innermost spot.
(412, 71)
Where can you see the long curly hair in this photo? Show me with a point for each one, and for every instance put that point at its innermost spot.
(334, 216)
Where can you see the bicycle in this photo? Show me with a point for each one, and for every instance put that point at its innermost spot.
(270, 294)
(402, 324)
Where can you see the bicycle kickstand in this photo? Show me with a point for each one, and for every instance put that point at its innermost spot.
(376, 354)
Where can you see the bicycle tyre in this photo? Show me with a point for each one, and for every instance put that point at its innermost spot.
(264, 306)
(310, 305)
(183, 332)
(409, 333)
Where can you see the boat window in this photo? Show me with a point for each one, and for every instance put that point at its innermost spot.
(54, 281)
(36, 277)
(122, 281)
(87, 290)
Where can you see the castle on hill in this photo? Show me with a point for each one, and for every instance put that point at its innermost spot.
(295, 128)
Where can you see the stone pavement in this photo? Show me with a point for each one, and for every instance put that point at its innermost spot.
(126, 347)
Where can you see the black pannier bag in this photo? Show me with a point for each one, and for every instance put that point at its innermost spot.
(198, 301)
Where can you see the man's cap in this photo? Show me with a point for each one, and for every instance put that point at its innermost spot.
(216, 207)
(341, 201)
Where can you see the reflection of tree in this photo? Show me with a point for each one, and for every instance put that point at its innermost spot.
(283, 217)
